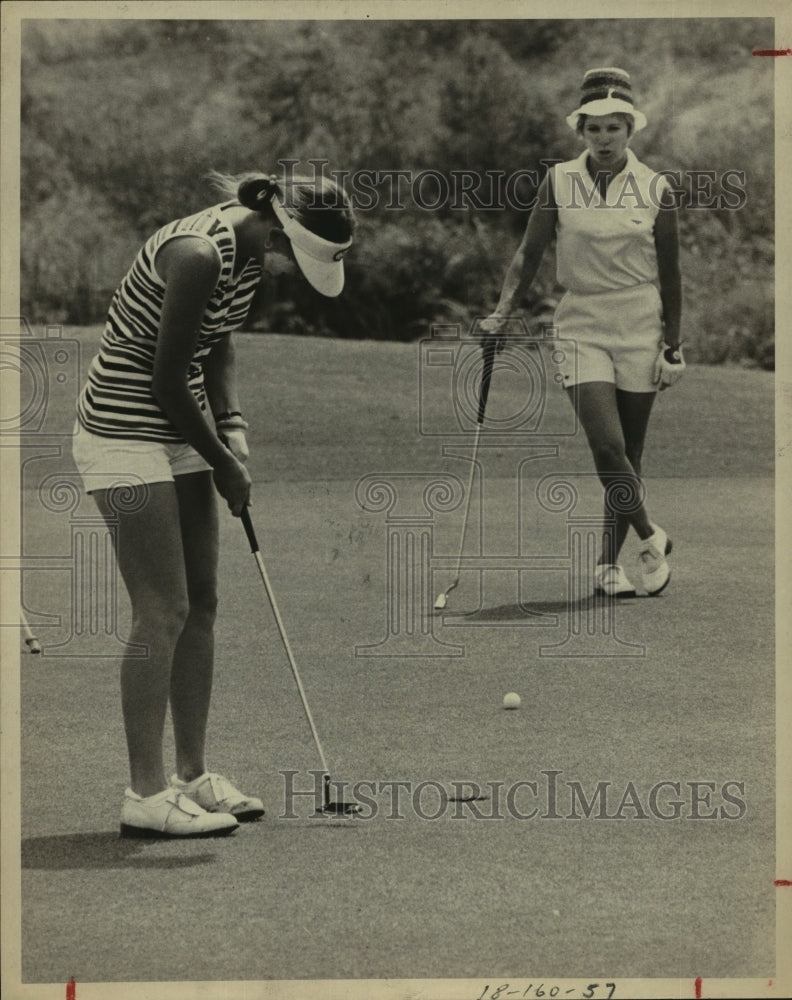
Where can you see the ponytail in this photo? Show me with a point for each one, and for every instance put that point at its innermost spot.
(317, 203)
(254, 191)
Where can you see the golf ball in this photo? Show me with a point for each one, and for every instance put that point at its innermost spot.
(511, 700)
(440, 603)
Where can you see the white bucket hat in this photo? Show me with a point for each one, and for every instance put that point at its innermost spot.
(320, 260)
(607, 91)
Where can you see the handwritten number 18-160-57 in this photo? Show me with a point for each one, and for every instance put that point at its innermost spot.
(508, 991)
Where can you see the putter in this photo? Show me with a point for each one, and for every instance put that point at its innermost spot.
(486, 377)
(330, 808)
(32, 643)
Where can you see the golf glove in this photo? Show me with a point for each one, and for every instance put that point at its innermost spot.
(669, 366)
(236, 442)
(231, 428)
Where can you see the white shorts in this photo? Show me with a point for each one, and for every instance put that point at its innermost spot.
(616, 334)
(106, 463)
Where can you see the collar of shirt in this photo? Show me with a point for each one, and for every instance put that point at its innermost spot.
(616, 182)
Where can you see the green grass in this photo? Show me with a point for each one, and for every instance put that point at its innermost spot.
(490, 901)
(324, 408)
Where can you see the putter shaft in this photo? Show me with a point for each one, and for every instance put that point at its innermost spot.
(328, 807)
(488, 351)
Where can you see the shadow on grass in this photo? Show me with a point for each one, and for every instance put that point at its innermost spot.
(96, 851)
(545, 612)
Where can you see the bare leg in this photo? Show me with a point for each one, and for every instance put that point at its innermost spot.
(149, 554)
(600, 416)
(193, 663)
(634, 411)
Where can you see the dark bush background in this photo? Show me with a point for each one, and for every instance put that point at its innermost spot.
(121, 120)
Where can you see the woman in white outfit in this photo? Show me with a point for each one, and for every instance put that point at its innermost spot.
(617, 252)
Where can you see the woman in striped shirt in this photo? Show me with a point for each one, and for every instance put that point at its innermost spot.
(154, 464)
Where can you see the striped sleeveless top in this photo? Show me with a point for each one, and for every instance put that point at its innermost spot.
(117, 400)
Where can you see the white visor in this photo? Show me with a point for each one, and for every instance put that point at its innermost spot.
(608, 106)
(320, 260)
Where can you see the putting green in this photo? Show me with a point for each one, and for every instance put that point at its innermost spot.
(459, 895)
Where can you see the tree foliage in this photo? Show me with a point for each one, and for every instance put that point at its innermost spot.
(121, 120)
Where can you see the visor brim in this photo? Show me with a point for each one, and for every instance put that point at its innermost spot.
(327, 277)
(608, 106)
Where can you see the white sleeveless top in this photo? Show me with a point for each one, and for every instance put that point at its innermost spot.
(606, 244)
(117, 400)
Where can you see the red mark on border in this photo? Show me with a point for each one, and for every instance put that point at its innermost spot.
(697, 984)
(71, 989)
(772, 52)
(782, 882)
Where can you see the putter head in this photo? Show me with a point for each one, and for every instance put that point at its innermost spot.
(337, 808)
(442, 599)
(341, 809)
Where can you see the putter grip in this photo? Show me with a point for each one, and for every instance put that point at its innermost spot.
(486, 376)
(247, 524)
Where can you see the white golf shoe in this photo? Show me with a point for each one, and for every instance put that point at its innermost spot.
(655, 572)
(216, 794)
(169, 813)
(611, 581)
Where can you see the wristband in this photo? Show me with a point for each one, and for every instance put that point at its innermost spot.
(230, 421)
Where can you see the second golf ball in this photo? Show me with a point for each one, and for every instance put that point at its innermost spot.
(511, 700)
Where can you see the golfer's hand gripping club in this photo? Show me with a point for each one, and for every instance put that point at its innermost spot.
(493, 328)
(232, 480)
